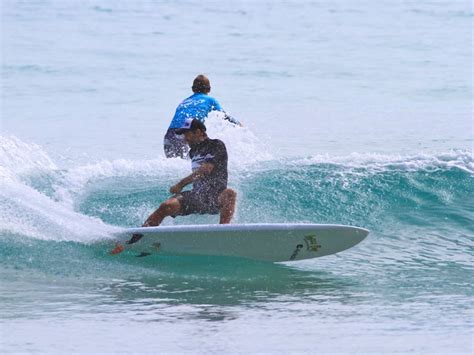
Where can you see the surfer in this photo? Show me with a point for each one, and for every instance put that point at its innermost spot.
(209, 195)
(196, 106)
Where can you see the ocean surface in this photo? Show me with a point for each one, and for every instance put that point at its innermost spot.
(354, 112)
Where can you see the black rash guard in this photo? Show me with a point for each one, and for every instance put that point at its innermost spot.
(210, 151)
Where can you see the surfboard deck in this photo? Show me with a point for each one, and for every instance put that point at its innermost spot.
(275, 242)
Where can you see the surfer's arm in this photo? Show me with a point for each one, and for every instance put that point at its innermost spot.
(232, 119)
(204, 169)
(217, 107)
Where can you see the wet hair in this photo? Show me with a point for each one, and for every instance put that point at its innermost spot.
(201, 84)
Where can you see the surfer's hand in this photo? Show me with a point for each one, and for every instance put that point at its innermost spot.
(176, 189)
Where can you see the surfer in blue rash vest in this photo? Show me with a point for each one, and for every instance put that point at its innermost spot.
(209, 195)
(196, 106)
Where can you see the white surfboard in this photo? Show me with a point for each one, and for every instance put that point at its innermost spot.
(267, 242)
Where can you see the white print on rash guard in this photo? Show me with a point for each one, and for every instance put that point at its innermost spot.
(211, 151)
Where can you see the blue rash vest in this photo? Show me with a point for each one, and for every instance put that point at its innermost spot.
(196, 106)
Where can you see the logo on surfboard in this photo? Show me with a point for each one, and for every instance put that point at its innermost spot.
(311, 243)
(296, 251)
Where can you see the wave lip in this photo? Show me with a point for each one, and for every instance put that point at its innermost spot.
(453, 159)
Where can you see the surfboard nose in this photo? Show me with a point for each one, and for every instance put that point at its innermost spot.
(361, 232)
(365, 232)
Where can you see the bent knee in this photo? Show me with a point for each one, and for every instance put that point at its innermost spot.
(228, 194)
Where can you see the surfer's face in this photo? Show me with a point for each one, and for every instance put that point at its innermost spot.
(193, 137)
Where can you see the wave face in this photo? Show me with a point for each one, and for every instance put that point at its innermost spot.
(55, 223)
(413, 203)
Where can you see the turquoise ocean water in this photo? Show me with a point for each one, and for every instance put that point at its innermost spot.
(355, 112)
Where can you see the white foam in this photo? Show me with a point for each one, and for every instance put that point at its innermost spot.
(19, 158)
(459, 159)
(243, 147)
(28, 212)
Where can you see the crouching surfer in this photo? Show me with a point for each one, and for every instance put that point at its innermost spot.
(209, 194)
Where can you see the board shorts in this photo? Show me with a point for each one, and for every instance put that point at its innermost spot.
(174, 144)
(193, 202)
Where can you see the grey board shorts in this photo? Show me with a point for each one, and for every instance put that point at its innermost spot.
(193, 202)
